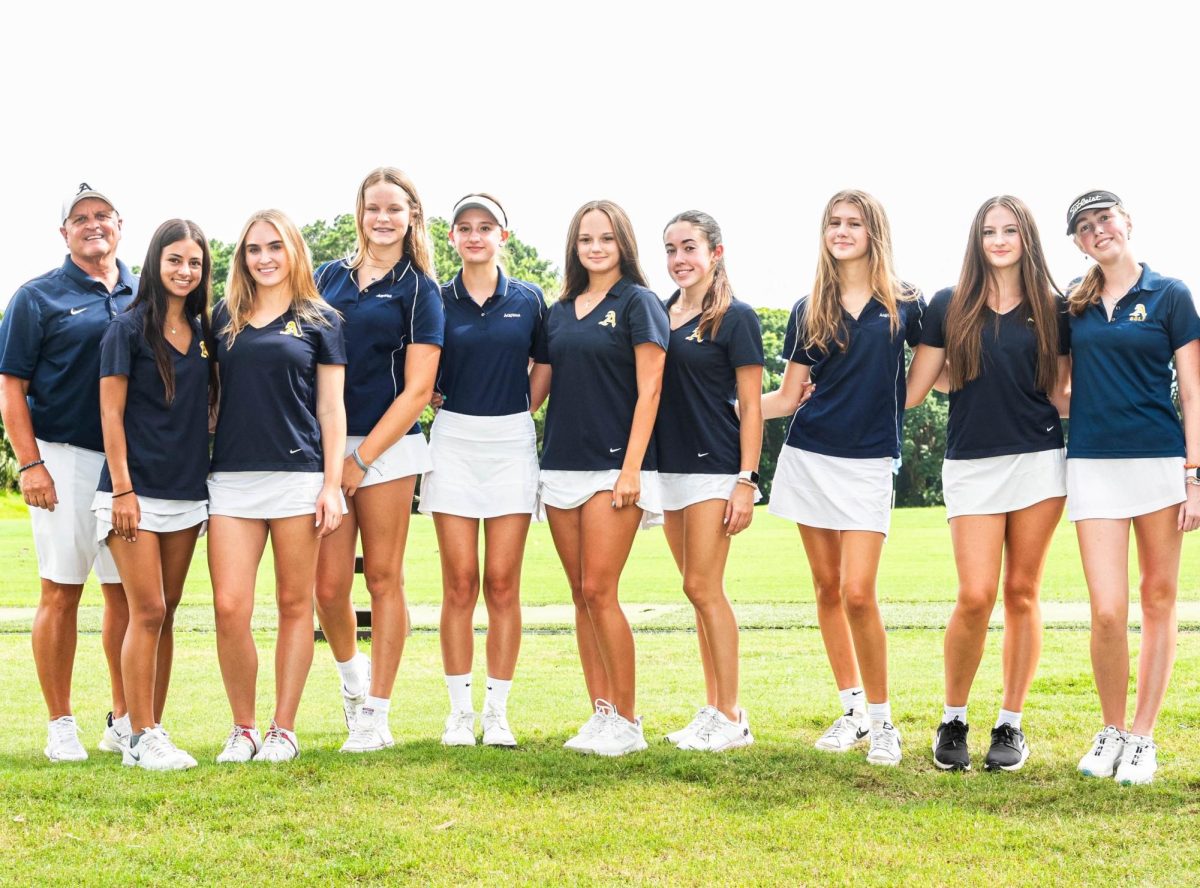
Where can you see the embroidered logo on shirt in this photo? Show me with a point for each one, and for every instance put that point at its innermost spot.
(76, 311)
(291, 328)
(512, 314)
(203, 349)
(1138, 313)
(610, 320)
(695, 337)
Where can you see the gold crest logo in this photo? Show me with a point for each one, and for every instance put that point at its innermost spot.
(203, 349)
(610, 320)
(695, 337)
(1138, 313)
(291, 328)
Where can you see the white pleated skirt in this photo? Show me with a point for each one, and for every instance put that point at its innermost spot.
(265, 495)
(680, 490)
(832, 492)
(1123, 488)
(483, 466)
(996, 485)
(408, 456)
(565, 489)
(158, 515)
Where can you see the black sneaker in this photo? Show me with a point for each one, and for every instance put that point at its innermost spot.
(950, 751)
(1008, 750)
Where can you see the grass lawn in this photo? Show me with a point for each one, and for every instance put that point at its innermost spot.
(778, 812)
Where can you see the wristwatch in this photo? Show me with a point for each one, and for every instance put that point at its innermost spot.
(748, 475)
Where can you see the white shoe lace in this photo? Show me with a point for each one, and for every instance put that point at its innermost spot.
(883, 739)
(277, 739)
(63, 730)
(364, 729)
(844, 729)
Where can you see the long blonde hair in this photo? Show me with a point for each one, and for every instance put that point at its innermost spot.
(307, 304)
(416, 239)
(823, 327)
(965, 316)
(1086, 291)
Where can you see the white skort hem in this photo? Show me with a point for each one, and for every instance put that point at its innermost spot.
(265, 495)
(65, 539)
(996, 485)
(1123, 488)
(565, 489)
(682, 489)
(158, 515)
(483, 466)
(408, 456)
(832, 492)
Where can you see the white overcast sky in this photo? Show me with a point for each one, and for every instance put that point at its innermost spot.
(753, 112)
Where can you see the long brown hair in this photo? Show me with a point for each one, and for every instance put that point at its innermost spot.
(575, 278)
(1086, 291)
(307, 303)
(823, 326)
(416, 239)
(965, 316)
(720, 292)
(152, 294)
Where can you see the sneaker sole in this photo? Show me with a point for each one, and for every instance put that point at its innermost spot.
(357, 750)
(494, 745)
(446, 742)
(948, 766)
(106, 745)
(64, 758)
(996, 766)
(638, 747)
(858, 742)
(1087, 772)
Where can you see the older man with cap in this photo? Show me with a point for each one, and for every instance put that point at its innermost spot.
(49, 398)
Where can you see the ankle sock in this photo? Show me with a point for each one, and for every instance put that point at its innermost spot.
(497, 692)
(1009, 718)
(459, 687)
(880, 711)
(353, 675)
(852, 699)
(950, 713)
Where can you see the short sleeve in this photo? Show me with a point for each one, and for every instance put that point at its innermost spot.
(117, 347)
(914, 318)
(21, 335)
(1064, 326)
(539, 321)
(331, 342)
(933, 327)
(541, 338)
(427, 324)
(793, 337)
(745, 346)
(647, 321)
(1183, 324)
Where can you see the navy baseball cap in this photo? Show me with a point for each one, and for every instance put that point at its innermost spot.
(1089, 200)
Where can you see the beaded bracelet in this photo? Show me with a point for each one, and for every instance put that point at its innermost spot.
(30, 465)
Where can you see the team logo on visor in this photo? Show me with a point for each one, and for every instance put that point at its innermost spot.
(610, 320)
(291, 329)
(1138, 313)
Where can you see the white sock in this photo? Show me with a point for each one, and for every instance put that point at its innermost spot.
(497, 692)
(1009, 718)
(353, 675)
(378, 704)
(459, 687)
(852, 699)
(880, 711)
(950, 713)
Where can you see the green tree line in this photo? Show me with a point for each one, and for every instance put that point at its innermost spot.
(919, 482)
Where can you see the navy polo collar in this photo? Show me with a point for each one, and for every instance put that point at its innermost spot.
(1149, 280)
(125, 278)
(460, 291)
(621, 288)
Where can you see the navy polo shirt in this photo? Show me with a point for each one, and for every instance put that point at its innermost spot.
(267, 420)
(857, 409)
(593, 387)
(1001, 411)
(50, 336)
(484, 369)
(400, 308)
(1121, 372)
(166, 444)
(697, 430)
